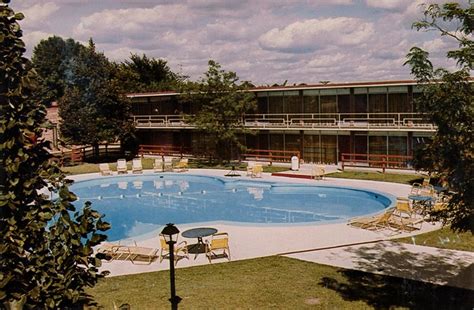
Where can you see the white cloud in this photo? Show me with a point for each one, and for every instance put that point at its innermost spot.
(37, 15)
(310, 35)
(137, 22)
(388, 4)
(329, 60)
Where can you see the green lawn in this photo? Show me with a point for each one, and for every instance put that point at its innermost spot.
(279, 283)
(376, 176)
(444, 238)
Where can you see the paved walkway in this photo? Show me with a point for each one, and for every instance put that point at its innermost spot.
(337, 244)
(415, 262)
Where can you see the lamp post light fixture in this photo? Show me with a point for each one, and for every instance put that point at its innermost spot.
(170, 233)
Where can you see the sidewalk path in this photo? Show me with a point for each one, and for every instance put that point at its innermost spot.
(415, 262)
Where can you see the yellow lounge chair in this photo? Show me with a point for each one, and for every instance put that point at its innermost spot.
(180, 250)
(137, 165)
(105, 169)
(218, 247)
(375, 222)
(122, 166)
(136, 254)
(182, 165)
(405, 217)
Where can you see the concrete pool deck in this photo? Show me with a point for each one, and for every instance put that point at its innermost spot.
(302, 241)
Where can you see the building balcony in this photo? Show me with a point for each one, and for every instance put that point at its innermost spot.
(305, 121)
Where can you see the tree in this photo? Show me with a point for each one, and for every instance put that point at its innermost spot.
(46, 256)
(220, 104)
(447, 99)
(93, 111)
(141, 73)
(51, 59)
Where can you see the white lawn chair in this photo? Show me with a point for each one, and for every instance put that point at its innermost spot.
(168, 164)
(122, 166)
(137, 165)
(105, 169)
(317, 172)
(158, 165)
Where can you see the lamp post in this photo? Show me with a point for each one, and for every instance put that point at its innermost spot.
(170, 232)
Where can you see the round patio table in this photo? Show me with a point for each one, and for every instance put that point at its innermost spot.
(421, 203)
(198, 233)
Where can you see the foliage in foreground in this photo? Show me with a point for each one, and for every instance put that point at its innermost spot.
(280, 283)
(45, 246)
(450, 105)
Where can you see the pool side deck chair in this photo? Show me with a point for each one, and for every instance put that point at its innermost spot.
(136, 254)
(137, 165)
(105, 169)
(180, 250)
(317, 172)
(122, 166)
(158, 165)
(257, 170)
(250, 168)
(182, 165)
(375, 222)
(218, 247)
(168, 163)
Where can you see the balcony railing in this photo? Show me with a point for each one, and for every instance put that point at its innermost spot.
(306, 121)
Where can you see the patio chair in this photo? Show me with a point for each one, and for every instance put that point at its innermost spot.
(168, 164)
(415, 189)
(110, 251)
(375, 222)
(105, 169)
(136, 254)
(405, 217)
(180, 250)
(158, 165)
(403, 208)
(122, 166)
(137, 165)
(182, 165)
(257, 171)
(250, 168)
(218, 247)
(317, 172)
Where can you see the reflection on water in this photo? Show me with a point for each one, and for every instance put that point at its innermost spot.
(149, 202)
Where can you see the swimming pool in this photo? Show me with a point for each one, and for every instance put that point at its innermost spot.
(136, 205)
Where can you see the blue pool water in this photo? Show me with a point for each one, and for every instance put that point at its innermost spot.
(136, 205)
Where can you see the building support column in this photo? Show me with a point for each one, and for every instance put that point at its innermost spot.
(410, 143)
(301, 144)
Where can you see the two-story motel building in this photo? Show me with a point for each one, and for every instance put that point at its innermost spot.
(321, 121)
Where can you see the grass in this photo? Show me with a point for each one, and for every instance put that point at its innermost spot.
(275, 282)
(444, 238)
(375, 176)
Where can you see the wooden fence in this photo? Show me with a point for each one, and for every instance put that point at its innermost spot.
(270, 155)
(376, 161)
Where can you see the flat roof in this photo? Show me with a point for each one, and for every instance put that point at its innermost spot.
(292, 87)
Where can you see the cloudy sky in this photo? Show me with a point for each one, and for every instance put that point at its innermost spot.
(264, 41)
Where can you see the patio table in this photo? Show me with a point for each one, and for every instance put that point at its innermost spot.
(421, 202)
(198, 233)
